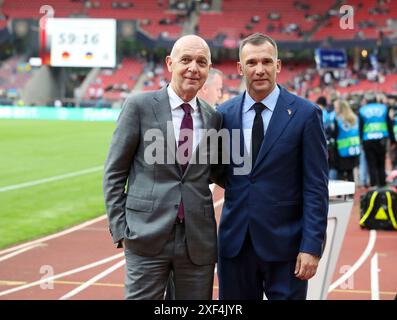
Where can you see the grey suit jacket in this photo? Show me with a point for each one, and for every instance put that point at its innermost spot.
(142, 199)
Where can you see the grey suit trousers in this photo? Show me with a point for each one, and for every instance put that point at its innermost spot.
(146, 277)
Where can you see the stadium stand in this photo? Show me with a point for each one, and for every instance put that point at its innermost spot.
(299, 26)
(370, 17)
(153, 18)
(18, 9)
(232, 79)
(157, 76)
(14, 74)
(283, 20)
(115, 84)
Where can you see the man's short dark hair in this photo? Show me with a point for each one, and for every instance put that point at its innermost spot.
(257, 39)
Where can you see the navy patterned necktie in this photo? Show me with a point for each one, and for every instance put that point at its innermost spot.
(185, 140)
(257, 131)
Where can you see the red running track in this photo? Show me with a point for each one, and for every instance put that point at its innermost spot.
(89, 245)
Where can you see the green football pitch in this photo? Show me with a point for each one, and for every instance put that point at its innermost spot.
(50, 176)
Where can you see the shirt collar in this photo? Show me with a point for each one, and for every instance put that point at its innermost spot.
(176, 101)
(270, 101)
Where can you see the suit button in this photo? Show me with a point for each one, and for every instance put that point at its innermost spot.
(176, 206)
(182, 181)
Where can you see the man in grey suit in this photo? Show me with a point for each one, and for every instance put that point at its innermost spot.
(162, 211)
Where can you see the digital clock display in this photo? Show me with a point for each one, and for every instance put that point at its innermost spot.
(82, 42)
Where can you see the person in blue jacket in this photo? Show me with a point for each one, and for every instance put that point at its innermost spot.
(347, 137)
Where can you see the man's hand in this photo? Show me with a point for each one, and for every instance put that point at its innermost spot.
(306, 266)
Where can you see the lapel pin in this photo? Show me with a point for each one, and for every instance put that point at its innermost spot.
(289, 111)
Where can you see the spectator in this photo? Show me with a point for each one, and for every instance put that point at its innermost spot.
(347, 138)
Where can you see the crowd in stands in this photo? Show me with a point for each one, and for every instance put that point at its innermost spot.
(370, 18)
(14, 74)
(307, 81)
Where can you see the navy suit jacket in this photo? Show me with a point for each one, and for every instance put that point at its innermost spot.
(283, 199)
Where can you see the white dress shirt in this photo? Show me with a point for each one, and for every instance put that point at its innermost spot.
(178, 113)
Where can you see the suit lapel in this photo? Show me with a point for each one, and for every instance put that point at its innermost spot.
(282, 114)
(237, 123)
(205, 115)
(162, 112)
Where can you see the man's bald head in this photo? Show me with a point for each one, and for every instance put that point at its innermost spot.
(188, 40)
(189, 64)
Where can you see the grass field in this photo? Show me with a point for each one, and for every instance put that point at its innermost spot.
(32, 150)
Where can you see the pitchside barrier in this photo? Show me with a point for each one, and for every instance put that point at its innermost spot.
(340, 206)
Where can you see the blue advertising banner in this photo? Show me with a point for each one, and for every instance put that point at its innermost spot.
(330, 58)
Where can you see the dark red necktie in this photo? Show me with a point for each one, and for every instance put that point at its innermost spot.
(185, 140)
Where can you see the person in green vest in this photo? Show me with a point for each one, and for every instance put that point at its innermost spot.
(376, 128)
(347, 137)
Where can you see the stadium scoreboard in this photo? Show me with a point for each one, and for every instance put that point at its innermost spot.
(78, 42)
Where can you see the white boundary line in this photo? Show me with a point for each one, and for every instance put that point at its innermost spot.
(374, 277)
(88, 283)
(358, 263)
(218, 203)
(55, 235)
(51, 179)
(64, 274)
(16, 252)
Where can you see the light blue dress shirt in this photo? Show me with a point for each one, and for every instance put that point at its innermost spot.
(249, 114)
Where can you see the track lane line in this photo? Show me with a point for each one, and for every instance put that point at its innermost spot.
(374, 277)
(55, 235)
(358, 263)
(64, 282)
(17, 252)
(116, 266)
(78, 227)
(218, 203)
(64, 274)
(90, 282)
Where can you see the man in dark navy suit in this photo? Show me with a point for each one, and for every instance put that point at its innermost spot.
(274, 218)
